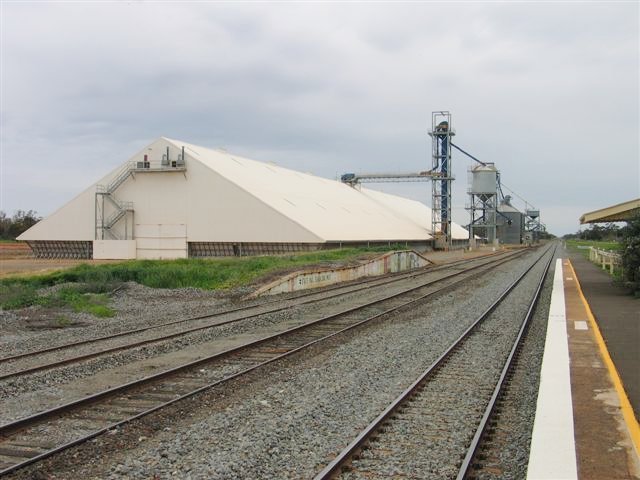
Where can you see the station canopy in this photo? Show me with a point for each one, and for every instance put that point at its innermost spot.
(616, 213)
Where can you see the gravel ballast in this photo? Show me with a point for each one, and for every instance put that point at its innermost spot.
(289, 419)
(41, 390)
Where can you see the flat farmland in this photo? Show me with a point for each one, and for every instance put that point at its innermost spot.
(16, 259)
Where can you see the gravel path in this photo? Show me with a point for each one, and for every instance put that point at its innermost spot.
(291, 418)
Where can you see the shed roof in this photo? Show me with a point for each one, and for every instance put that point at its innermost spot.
(329, 208)
(227, 198)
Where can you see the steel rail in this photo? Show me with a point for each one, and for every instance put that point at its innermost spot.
(30, 419)
(59, 411)
(87, 356)
(173, 322)
(509, 365)
(335, 466)
(359, 284)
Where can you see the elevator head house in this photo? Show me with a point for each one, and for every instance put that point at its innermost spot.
(177, 200)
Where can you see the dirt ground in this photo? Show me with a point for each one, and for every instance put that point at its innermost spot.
(16, 259)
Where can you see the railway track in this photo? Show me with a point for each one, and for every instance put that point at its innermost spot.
(26, 440)
(72, 353)
(434, 428)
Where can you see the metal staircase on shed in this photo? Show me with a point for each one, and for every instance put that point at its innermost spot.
(111, 212)
(119, 210)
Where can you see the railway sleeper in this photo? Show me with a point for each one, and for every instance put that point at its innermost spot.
(188, 376)
(372, 468)
(117, 410)
(10, 450)
(6, 462)
(239, 362)
(261, 355)
(100, 417)
(329, 331)
(310, 337)
(341, 326)
(331, 325)
(157, 395)
(273, 350)
(356, 317)
(175, 390)
(187, 384)
(298, 337)
(423, 463)
(28, 442)
(84, 426)
(290, 346)
(134, 403)
(151, 397)
(315, 334)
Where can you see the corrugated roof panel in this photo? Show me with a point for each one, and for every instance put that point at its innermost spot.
(342, 217)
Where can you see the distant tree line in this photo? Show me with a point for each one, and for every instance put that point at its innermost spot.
(629, 238)
(609, 232)
(11, 227)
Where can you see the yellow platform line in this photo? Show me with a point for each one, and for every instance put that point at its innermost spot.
(625, 405)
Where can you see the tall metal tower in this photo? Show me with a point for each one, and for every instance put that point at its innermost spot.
(441, 133)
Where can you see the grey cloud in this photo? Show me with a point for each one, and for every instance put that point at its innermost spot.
(326, 88)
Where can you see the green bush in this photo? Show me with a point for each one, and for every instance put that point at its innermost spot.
(21, 294)
(631, 254)
(17, 295)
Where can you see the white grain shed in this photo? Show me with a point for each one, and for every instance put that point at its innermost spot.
(173, 200)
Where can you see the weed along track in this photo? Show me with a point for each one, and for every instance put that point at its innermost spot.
(38, 436)
(72, 353)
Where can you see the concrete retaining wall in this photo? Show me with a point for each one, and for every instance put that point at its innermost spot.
(388, 263)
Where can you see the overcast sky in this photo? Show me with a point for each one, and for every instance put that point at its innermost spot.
(549, 91)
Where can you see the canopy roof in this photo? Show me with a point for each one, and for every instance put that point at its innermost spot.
(615, 213)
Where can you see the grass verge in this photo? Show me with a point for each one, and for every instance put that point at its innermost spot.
(582, 247)
(90, 283)
(611, 246)
(15, 295)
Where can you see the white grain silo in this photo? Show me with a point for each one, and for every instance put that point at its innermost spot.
(483, 195)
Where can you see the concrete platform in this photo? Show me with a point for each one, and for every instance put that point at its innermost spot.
(585, 426)
(618, 317)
